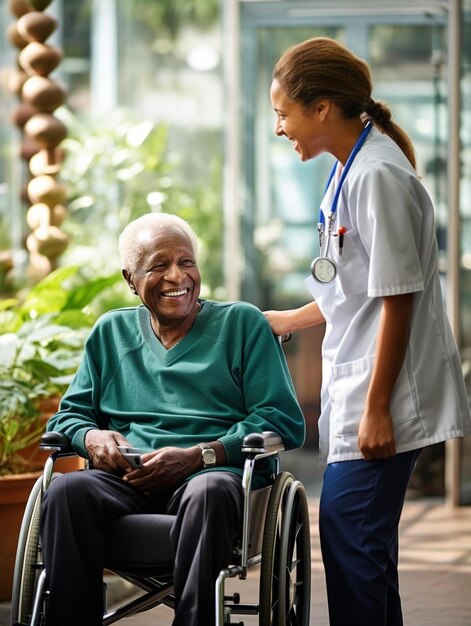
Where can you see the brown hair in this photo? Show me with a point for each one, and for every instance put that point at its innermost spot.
(324, 68)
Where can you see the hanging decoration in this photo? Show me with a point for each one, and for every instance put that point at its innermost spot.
(39, 96)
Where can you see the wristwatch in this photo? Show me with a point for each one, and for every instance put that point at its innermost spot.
(208, 455)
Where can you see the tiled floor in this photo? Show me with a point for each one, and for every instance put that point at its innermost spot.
(435, 570)
(435, 566)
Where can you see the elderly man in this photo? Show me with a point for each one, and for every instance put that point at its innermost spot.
(184, 380)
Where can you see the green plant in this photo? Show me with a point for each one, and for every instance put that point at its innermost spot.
(41, 341)
(120, 168)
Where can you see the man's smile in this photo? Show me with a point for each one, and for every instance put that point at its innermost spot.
(175, 293)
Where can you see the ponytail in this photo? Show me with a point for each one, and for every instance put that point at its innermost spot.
(380, 114)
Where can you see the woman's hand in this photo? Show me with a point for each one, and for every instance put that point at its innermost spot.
(376, 435)
(284, 322)
(376, 430)
(280, 321)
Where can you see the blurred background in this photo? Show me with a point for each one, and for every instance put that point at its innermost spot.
(167, 109)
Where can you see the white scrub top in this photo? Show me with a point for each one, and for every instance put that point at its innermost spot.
(389, 248)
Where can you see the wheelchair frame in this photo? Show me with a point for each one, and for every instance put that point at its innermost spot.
(282, 550)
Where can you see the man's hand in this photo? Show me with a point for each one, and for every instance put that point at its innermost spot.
(376, 435)
(102, 449)
(165, 469)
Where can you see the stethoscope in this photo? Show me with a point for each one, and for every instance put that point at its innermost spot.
(323, 268)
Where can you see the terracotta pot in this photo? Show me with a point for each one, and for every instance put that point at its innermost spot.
(39, 58)
(43, 93)
(14, 493)
(36, 26)
(37, 457)
(46, 130)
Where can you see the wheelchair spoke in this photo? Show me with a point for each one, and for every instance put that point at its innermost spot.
(295, 584)
(285, 573)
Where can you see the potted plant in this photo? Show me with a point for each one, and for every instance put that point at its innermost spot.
(36, 363)
(41, 341)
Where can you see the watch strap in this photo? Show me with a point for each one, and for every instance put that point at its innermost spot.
(203, 447)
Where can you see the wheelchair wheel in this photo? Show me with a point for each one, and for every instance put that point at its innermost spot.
(285, 574)
(28, 562)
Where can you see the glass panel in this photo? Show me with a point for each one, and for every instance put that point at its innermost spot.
(74, 39)
(287, 192)
(465, 279)
(407, 59)
(408, 63)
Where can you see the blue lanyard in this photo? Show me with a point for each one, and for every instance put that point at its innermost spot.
(356, 149)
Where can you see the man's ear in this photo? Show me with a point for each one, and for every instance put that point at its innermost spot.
(128, 278)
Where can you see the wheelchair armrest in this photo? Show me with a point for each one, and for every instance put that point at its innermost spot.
(56, 441)
(265, 443)
(256, 446)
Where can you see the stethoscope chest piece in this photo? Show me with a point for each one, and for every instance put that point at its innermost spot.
(323, 269)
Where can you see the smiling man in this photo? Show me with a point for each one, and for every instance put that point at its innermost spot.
(182, 379)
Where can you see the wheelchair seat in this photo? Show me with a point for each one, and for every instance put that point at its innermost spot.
(139, 542)
(274, 534)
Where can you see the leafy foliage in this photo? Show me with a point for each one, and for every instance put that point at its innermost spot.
(172, 15)
(41, 342)
(118, 169)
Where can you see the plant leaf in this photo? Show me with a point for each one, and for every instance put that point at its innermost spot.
(79, 297)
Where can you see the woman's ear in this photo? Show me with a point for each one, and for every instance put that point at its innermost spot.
(322, 107)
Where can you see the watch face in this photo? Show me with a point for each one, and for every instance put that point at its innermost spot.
(323, 270)
(209, 457)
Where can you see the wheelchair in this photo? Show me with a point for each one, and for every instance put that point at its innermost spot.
(274, 534)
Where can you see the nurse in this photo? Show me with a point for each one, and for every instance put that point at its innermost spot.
(392, 380)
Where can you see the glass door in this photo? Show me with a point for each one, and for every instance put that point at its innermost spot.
(406, 52)
(406, 49)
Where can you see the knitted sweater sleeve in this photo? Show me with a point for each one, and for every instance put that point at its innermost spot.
(270, 399)
(78, 412)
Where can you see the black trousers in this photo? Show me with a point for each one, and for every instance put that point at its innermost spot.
(78, 509)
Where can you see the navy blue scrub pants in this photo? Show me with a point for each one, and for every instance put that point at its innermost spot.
(77, 511)
(360, 509)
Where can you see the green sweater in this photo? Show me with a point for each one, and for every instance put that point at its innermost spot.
(226, 378)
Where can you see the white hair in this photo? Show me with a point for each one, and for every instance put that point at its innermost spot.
(129, 245)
